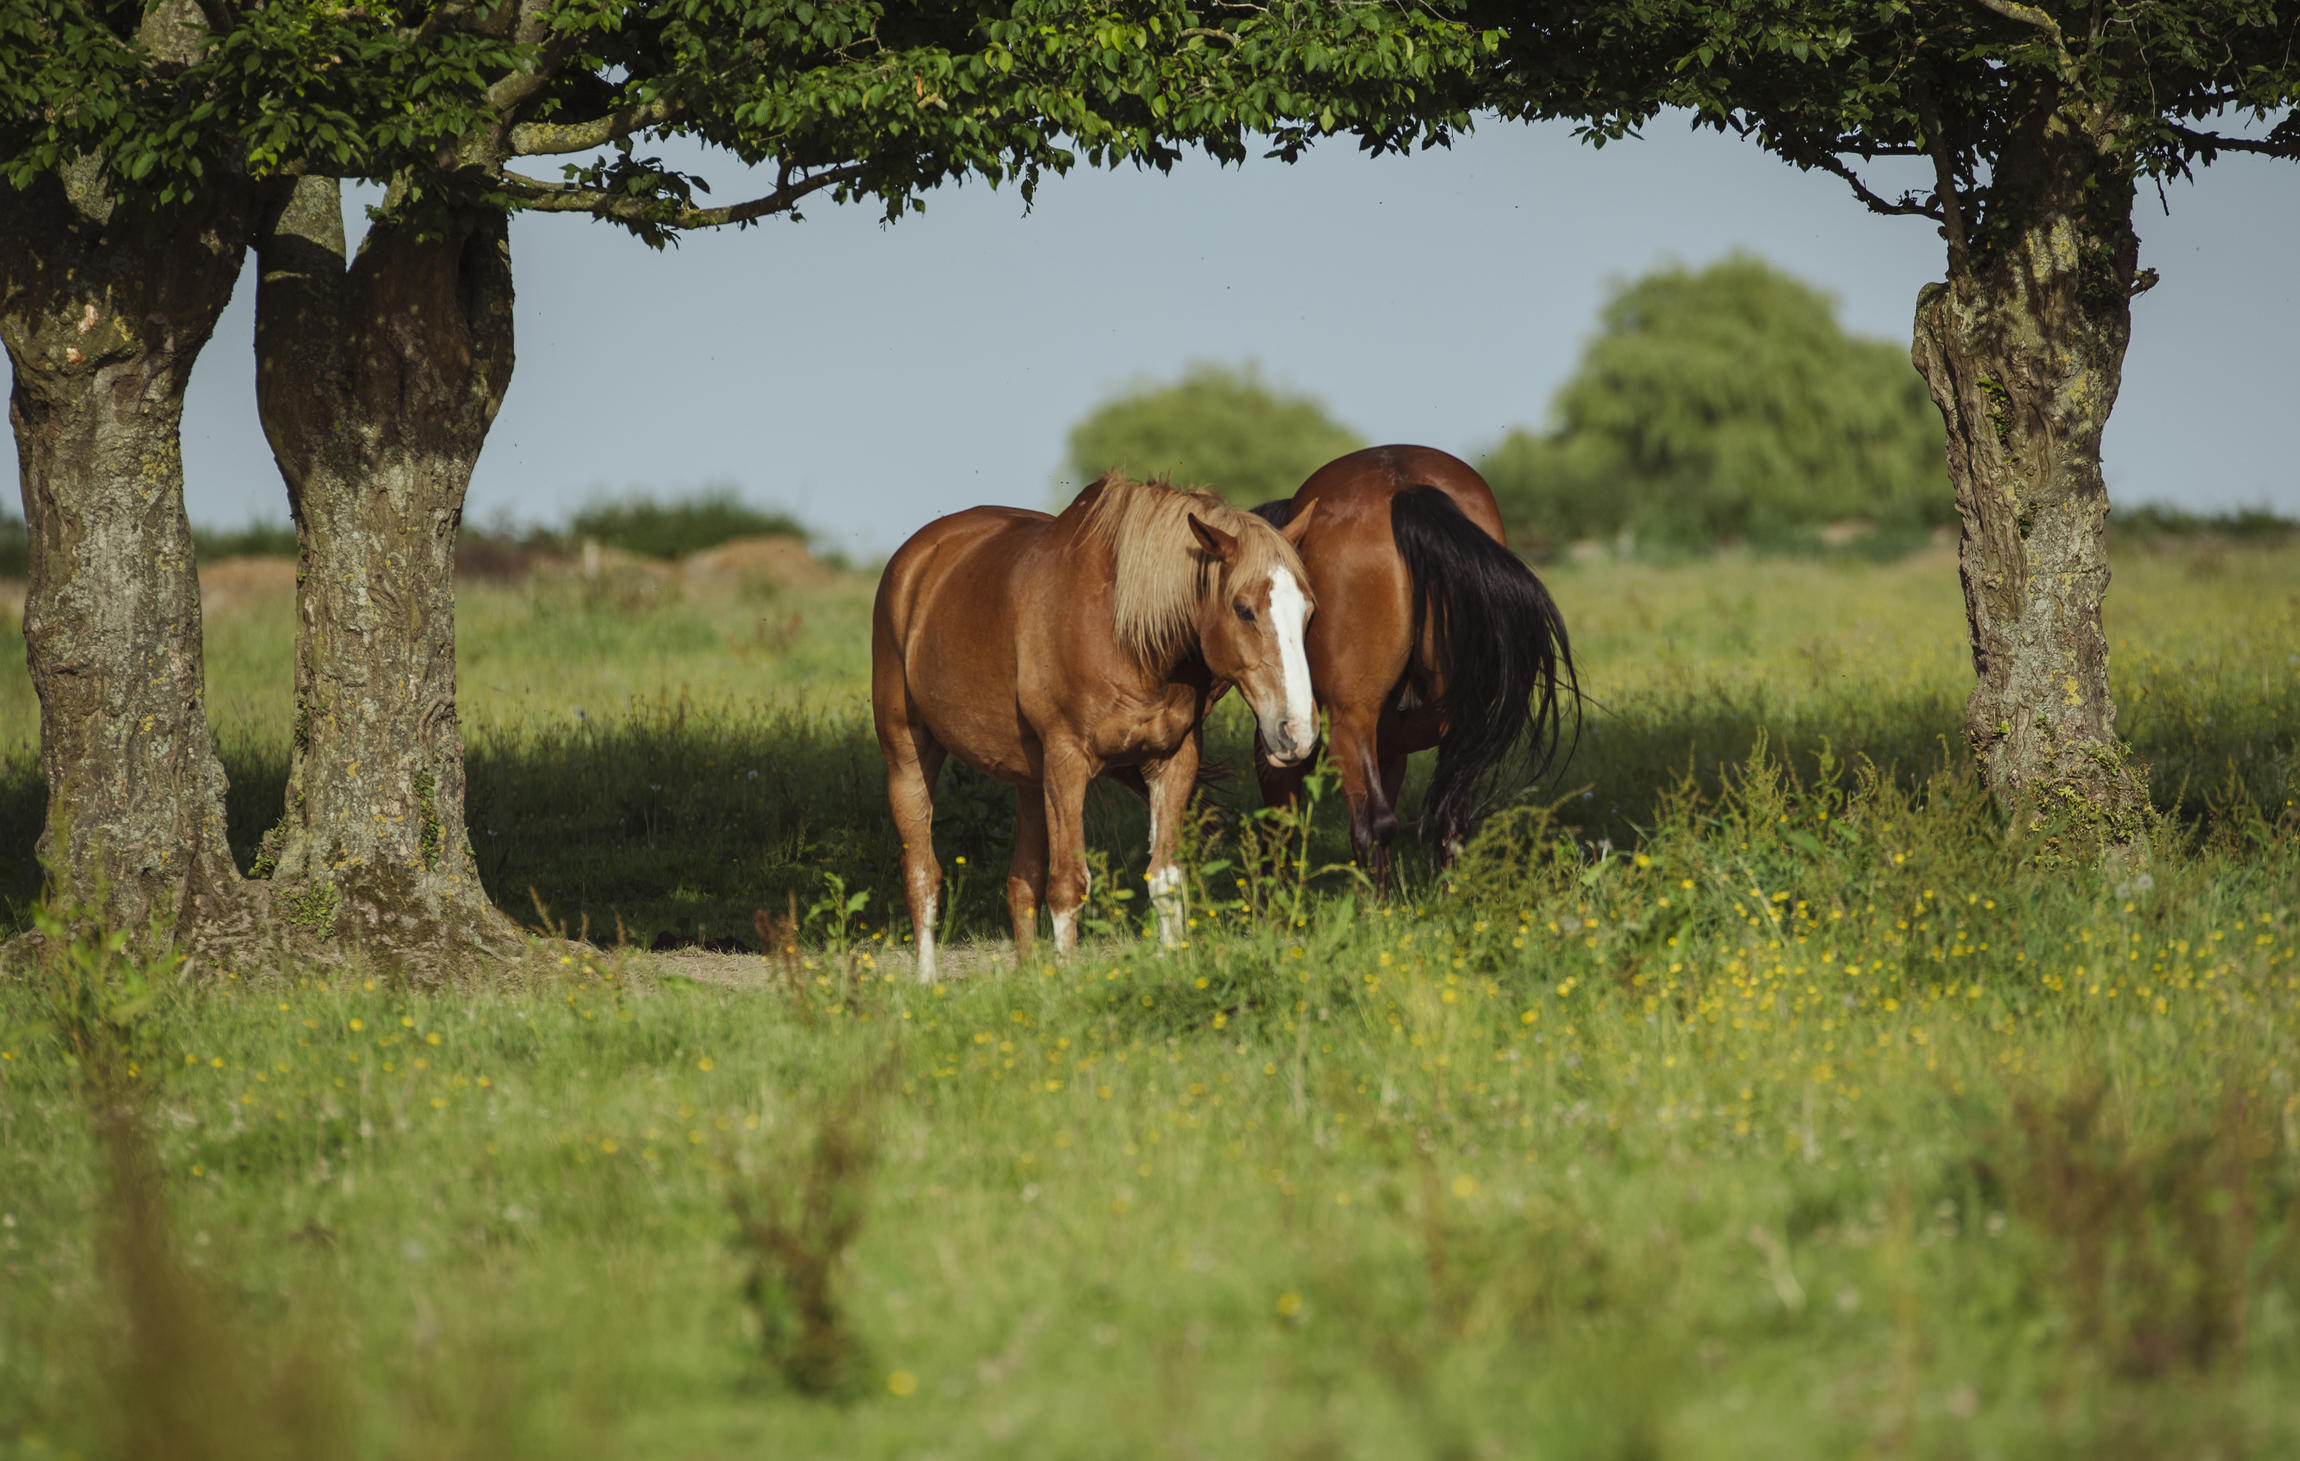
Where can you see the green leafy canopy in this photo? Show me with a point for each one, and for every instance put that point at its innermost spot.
(1961, 85)
(851, 97)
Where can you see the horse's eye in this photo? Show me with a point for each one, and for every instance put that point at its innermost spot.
(1244, 613)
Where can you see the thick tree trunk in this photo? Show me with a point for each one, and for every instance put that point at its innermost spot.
(2023, 349)
(377, 383)
(103, 314)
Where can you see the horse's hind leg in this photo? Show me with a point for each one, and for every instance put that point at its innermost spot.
(1026, 875)
(912, 762)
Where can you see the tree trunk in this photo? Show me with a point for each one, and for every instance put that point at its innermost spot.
(2023, 349)
(377, 383)
(103, 312)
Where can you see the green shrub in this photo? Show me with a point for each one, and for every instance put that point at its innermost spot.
(2161, 520)
(651, 528)
(1215, 427)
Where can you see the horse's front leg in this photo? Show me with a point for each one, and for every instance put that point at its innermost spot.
(1066, 774)
(1170, 781)
(1373, 821)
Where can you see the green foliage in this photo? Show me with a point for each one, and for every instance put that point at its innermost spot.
(99, 1003)
(855, 98)
(311, 908)
(1831, 84)
(1726, 404)
(1215, 427)
(170, 107)
(654, 528)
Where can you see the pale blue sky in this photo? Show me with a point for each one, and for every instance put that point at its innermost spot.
(870, 377)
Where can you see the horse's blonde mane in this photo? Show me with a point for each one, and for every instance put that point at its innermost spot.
(1163, 571)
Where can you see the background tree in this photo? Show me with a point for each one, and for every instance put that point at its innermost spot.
(1720, 404)
(1215, 427)
(2035, 122)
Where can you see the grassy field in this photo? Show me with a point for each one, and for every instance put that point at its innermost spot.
(1744, 1094)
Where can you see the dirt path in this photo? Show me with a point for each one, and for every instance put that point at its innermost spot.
(960, 963)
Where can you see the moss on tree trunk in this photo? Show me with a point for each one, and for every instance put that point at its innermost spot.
(102, 313)
(377, 380)
(2023, 349)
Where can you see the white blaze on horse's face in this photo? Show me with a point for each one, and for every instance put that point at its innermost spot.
(1297, 712)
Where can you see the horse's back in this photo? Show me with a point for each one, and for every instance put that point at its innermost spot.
(943, 636)
(962, 549)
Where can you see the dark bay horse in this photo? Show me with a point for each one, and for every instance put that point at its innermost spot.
(1432, 633)
(1047, 651)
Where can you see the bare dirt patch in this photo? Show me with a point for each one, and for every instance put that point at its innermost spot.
(241, 583)
(783, 562)
(960, 963)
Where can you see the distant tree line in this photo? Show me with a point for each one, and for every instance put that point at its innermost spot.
(639, 523)
(1712, 406)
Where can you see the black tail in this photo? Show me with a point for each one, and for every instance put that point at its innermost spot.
(1501, 651)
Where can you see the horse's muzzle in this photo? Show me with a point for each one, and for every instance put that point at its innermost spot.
(1284, 749)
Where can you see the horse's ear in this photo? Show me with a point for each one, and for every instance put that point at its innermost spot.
(1222, 545)
(1300, 524)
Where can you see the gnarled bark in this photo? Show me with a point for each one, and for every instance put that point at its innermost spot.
(377, 382)
(102, 313)
(2023, 349)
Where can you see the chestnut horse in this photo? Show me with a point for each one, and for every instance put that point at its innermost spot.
(1433, 634)
(1047, 651)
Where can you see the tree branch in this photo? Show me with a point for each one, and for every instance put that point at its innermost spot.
(1861, 190)
(1944, 181)
(540, 139)
(545, 197)
(2272, 145)
(2029, 15)
(512, 91)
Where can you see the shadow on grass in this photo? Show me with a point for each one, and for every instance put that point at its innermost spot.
(676, 826)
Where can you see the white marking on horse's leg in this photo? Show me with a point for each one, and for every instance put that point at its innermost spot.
(1166, 897)
(1289, 618)
(926, 969)
(1165, 887)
